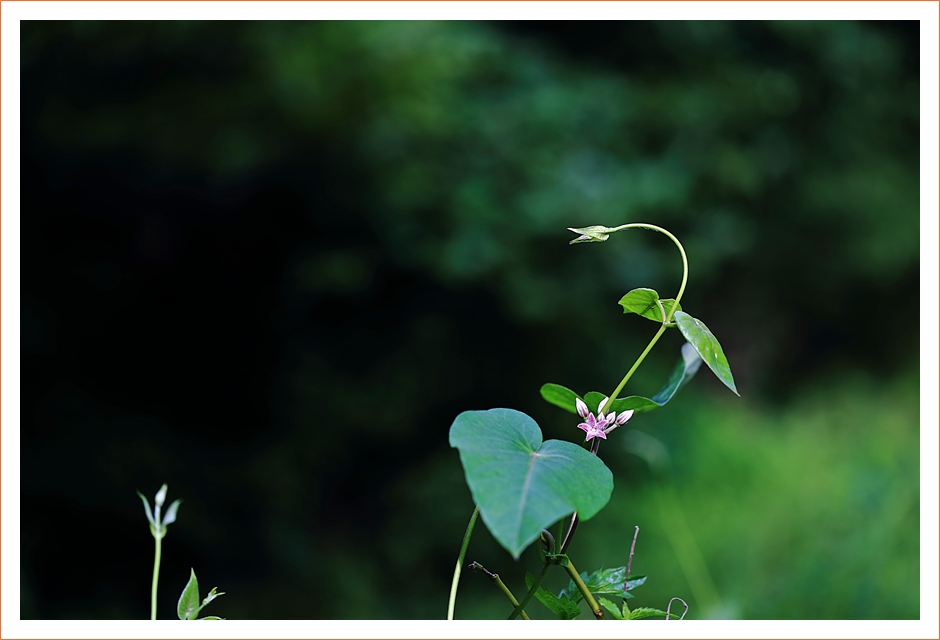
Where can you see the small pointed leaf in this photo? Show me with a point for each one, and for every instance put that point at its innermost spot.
(188, 606)
(147, 510)
(610, 606)
(211, 618)
(521, 484)
(560, 396)
(645, 302)
(707, 346)
(212, 595)
(170, 515)
(564, 608)
(648, 612)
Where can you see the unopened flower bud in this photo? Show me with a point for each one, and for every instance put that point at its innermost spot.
(160, 497)
(582, 408)
(623, 417)
(595, 233)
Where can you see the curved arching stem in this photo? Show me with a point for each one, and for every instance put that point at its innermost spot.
(672, 310)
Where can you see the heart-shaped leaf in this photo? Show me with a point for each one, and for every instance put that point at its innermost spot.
(645, 302)
(564, 608)
(707, 346)
(521, 484)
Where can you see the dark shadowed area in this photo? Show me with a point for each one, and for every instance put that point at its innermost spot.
(268, 263)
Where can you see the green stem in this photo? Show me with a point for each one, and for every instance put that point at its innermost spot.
(672, 310)
(528, 596)
(463, 552)
(502, 587)
(596, 610)
(636, 365)
(156, 576)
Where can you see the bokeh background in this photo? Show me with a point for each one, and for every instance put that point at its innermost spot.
(268, 263)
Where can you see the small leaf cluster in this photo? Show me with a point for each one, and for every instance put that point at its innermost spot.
(603, 582)
(189, 607)
(685, 369)
(647, 304)
(158, 526)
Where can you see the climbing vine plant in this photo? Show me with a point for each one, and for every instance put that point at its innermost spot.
(530, 491)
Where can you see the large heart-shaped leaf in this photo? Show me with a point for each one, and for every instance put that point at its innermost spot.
(707, 346)
(645, 302)
(521, 484)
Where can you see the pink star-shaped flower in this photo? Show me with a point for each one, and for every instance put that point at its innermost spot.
(602, 425)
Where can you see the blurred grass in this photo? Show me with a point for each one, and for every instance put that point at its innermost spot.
(809, 511)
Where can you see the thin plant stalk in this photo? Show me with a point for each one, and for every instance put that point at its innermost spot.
(672, 310)
(592, 603)
(156, 576)
(463, 552)
(528, 596)
(502, 587)
(649, 347)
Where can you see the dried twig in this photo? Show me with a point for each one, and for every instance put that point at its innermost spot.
(669, 607)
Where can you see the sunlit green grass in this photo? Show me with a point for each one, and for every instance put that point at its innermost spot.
(806, 511)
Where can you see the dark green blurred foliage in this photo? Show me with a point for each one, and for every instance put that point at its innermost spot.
(268, 263)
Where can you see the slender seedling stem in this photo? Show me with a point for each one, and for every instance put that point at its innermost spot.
(502, 587)
(463, 552)
(156, 576)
